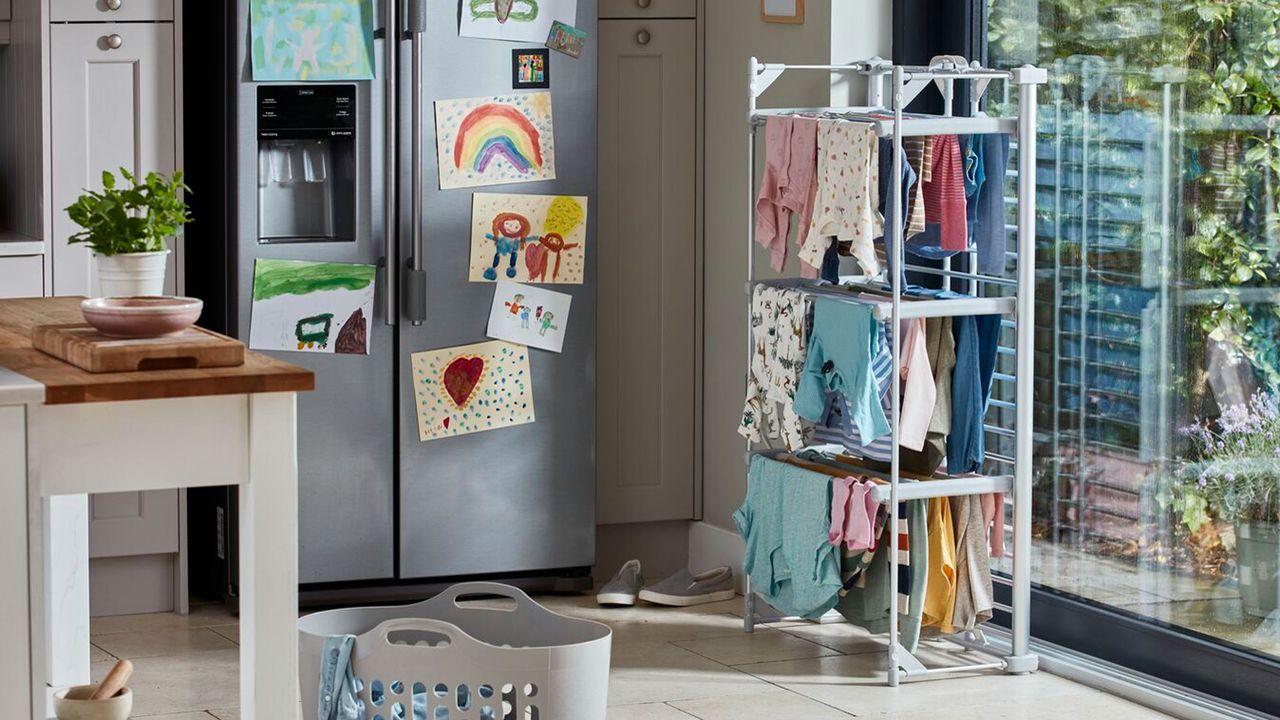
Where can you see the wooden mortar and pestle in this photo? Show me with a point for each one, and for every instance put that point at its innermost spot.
(108, 700)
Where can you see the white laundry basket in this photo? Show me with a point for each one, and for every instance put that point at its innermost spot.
(466, 661)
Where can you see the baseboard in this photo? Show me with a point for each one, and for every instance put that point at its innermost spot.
(661, 547)
(131, 585)
(712, 546)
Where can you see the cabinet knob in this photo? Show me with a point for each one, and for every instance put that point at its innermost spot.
(115, 42)
(114, 4)
(639, 3)
(643, 37)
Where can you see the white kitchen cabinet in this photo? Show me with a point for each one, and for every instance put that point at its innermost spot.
(112, 104)
(110, 10)
(21, 276)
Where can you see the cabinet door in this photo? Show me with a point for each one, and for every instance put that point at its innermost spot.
(110, 108)
(133, 523)
(647, 332)
(21, 275)
(102, 11)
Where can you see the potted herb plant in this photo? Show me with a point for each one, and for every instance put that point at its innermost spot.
(1234, 476)
(126, 226)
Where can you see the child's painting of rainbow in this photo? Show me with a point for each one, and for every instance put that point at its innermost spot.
(495, 140)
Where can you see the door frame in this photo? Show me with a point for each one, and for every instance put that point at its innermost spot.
(1174, 654)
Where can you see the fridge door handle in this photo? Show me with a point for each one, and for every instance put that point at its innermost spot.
(416, 17)
(415, 281)
(390, 220)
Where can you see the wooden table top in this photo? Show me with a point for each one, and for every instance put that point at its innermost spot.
(65, 383)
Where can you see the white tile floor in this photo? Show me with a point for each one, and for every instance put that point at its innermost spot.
(668, 664)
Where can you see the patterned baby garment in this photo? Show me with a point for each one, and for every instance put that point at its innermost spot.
(778, 318)
(920, 156)
(944, 201)
(848, 194)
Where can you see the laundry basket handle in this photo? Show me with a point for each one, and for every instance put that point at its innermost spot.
(438, 627)
(467, 589)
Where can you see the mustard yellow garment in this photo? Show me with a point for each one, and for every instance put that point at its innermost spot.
(940, 586)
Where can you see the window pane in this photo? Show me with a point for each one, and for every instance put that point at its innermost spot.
(1158, 331)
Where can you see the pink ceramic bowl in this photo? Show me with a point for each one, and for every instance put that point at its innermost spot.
(141, 317)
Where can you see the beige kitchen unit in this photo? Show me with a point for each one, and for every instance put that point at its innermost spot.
(95, 84)
(650, 262)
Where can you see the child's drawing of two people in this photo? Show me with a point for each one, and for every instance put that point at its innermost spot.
(518, 308)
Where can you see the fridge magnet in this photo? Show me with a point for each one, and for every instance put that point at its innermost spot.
(471, 388)
(518, 20)
(528, 238)
(530, 68)
(789, 12)
(317, 40)
(314, 307)
(495, 140)
(529, 315)
(567, 39)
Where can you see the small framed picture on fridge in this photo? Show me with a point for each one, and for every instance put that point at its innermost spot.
(790, 12)
(531, 68)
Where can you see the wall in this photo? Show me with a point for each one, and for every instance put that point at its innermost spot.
(852, 29)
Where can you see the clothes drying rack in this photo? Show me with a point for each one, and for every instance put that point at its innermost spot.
(905, 84)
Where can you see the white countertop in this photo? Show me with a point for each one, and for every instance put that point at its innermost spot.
(16, 389)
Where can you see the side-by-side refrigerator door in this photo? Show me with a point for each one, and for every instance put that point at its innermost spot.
(488, 492)
(310, 186)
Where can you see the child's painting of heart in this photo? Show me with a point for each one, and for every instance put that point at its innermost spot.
(471, 388)
(528, 238)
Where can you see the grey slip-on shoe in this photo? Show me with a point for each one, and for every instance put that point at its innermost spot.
(622, 589)
(684, 588)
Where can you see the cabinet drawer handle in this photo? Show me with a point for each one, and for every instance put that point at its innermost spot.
(115, 42)
(643, 37)
(114, 5)
(639, 3)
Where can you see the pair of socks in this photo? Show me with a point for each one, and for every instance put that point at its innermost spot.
(853, 513)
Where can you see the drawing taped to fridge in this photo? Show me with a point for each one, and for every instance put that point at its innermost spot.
(529, 315)
(317, 40)
(471, 388)
(528, 238)
(520, 20)
(495, 140)
(315, 307)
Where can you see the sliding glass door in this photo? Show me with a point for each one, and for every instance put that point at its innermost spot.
(1158, 327)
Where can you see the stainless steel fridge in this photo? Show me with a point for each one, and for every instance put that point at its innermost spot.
(381, 513)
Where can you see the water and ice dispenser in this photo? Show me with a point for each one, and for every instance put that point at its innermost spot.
(306, 163)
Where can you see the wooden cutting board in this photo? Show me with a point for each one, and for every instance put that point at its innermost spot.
(87, 349)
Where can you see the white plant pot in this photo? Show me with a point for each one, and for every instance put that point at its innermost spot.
(132, 274)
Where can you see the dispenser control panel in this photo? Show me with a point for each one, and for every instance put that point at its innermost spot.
(306, 112)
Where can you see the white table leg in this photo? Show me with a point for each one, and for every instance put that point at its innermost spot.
(16, 681)
(269, 562)
(66, 589)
